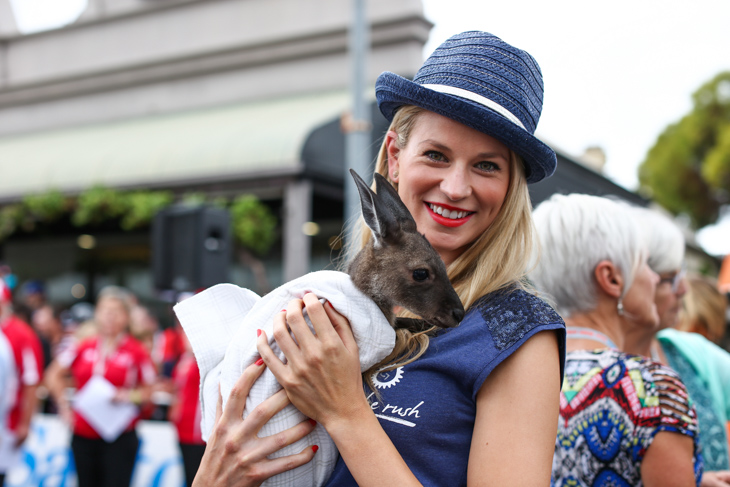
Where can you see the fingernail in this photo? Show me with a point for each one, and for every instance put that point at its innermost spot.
(312, 422)
(260, 362)
(315, 448)
(282, 311)
(258, 333)
(328, 302)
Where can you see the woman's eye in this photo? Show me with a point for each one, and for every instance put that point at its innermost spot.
(435, 156)
(420, 275)
(488, 166)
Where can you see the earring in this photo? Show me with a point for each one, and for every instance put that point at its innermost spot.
(395, 174)
(620, 307)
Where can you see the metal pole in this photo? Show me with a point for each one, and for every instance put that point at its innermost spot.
(358, 125)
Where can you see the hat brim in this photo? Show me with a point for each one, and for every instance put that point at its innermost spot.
(393, 91)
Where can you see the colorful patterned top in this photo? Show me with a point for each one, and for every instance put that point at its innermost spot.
(611, 406)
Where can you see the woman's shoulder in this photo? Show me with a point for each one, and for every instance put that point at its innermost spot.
(493, 329)
(512, 314)
(656, 386)
(134, 346)
(608, 358)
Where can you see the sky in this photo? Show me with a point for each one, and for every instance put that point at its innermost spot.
(616, 73)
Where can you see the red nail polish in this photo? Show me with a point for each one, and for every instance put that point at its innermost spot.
(282, 311)
(312, 422)
(258, 333)
(315, 448)
(260, 362)
(328, 302)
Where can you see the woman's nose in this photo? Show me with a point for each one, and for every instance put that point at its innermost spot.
(456, 184)
(681, 287)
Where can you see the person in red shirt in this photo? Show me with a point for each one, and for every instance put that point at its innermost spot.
(185, 411)
(124, 362)
(28, 357)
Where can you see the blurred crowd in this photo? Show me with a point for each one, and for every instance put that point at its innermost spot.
(48, 354)
(660, 330)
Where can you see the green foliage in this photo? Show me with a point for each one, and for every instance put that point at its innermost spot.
(688, 169)
(194, 199)
(254, 225)
(142, 206)
(11, 217)
(97, 205)
(47, 206)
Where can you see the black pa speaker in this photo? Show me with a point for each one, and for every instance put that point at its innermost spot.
(191, 247)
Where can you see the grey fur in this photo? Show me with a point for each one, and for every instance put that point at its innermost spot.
(384, 269)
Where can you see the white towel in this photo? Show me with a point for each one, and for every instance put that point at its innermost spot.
(221, 325)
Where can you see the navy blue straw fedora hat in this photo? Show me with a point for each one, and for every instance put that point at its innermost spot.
(481, 81)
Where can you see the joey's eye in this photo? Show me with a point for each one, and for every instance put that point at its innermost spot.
(420, 275)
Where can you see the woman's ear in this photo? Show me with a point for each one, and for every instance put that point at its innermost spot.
(609, 278)
(393, 151)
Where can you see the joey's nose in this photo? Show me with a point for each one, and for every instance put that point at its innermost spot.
(458, 315)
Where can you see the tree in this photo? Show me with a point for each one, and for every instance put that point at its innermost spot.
(688, 168)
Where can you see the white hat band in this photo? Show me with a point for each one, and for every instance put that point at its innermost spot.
(450, 90)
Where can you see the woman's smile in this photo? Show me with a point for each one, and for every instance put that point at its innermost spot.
(448, 215)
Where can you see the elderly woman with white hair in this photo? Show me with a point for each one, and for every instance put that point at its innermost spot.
(703, 366)
(624, 420)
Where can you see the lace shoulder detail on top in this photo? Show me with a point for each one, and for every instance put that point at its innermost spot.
(511, 313)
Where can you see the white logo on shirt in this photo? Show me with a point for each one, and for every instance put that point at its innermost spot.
(389, 378)
(392, 412)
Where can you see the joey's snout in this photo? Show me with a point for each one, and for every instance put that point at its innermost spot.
(450, 316)
(458, 314)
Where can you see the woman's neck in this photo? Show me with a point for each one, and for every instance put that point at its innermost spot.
(608, 326)
(639, 341)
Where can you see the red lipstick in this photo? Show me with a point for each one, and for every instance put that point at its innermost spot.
(447, 222)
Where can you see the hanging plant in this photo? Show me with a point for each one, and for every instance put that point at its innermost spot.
(97, 205)
(142, 206)
(254, 225)
(47, 207)
(11, 217)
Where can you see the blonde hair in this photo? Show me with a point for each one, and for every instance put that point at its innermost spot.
(703, 309)
(124, 296)
(496, 260)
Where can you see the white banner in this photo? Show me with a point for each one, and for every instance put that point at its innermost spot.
(46, 459)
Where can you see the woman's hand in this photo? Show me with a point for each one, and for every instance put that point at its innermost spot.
(235, 455)
(719, 478)
(322, 375)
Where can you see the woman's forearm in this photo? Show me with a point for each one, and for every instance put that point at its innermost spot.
(368, 452)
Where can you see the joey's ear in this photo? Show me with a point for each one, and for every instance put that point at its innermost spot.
(384, 212)
(392, 204)
(374, 216)
(609, 278)
(393, 152)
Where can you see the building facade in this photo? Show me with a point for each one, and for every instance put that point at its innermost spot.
(214, 97)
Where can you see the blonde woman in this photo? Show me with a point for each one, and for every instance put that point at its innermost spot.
(704, 310)
(121, 361)
(463, 406)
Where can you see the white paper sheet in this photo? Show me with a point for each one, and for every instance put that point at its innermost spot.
(108, 418)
